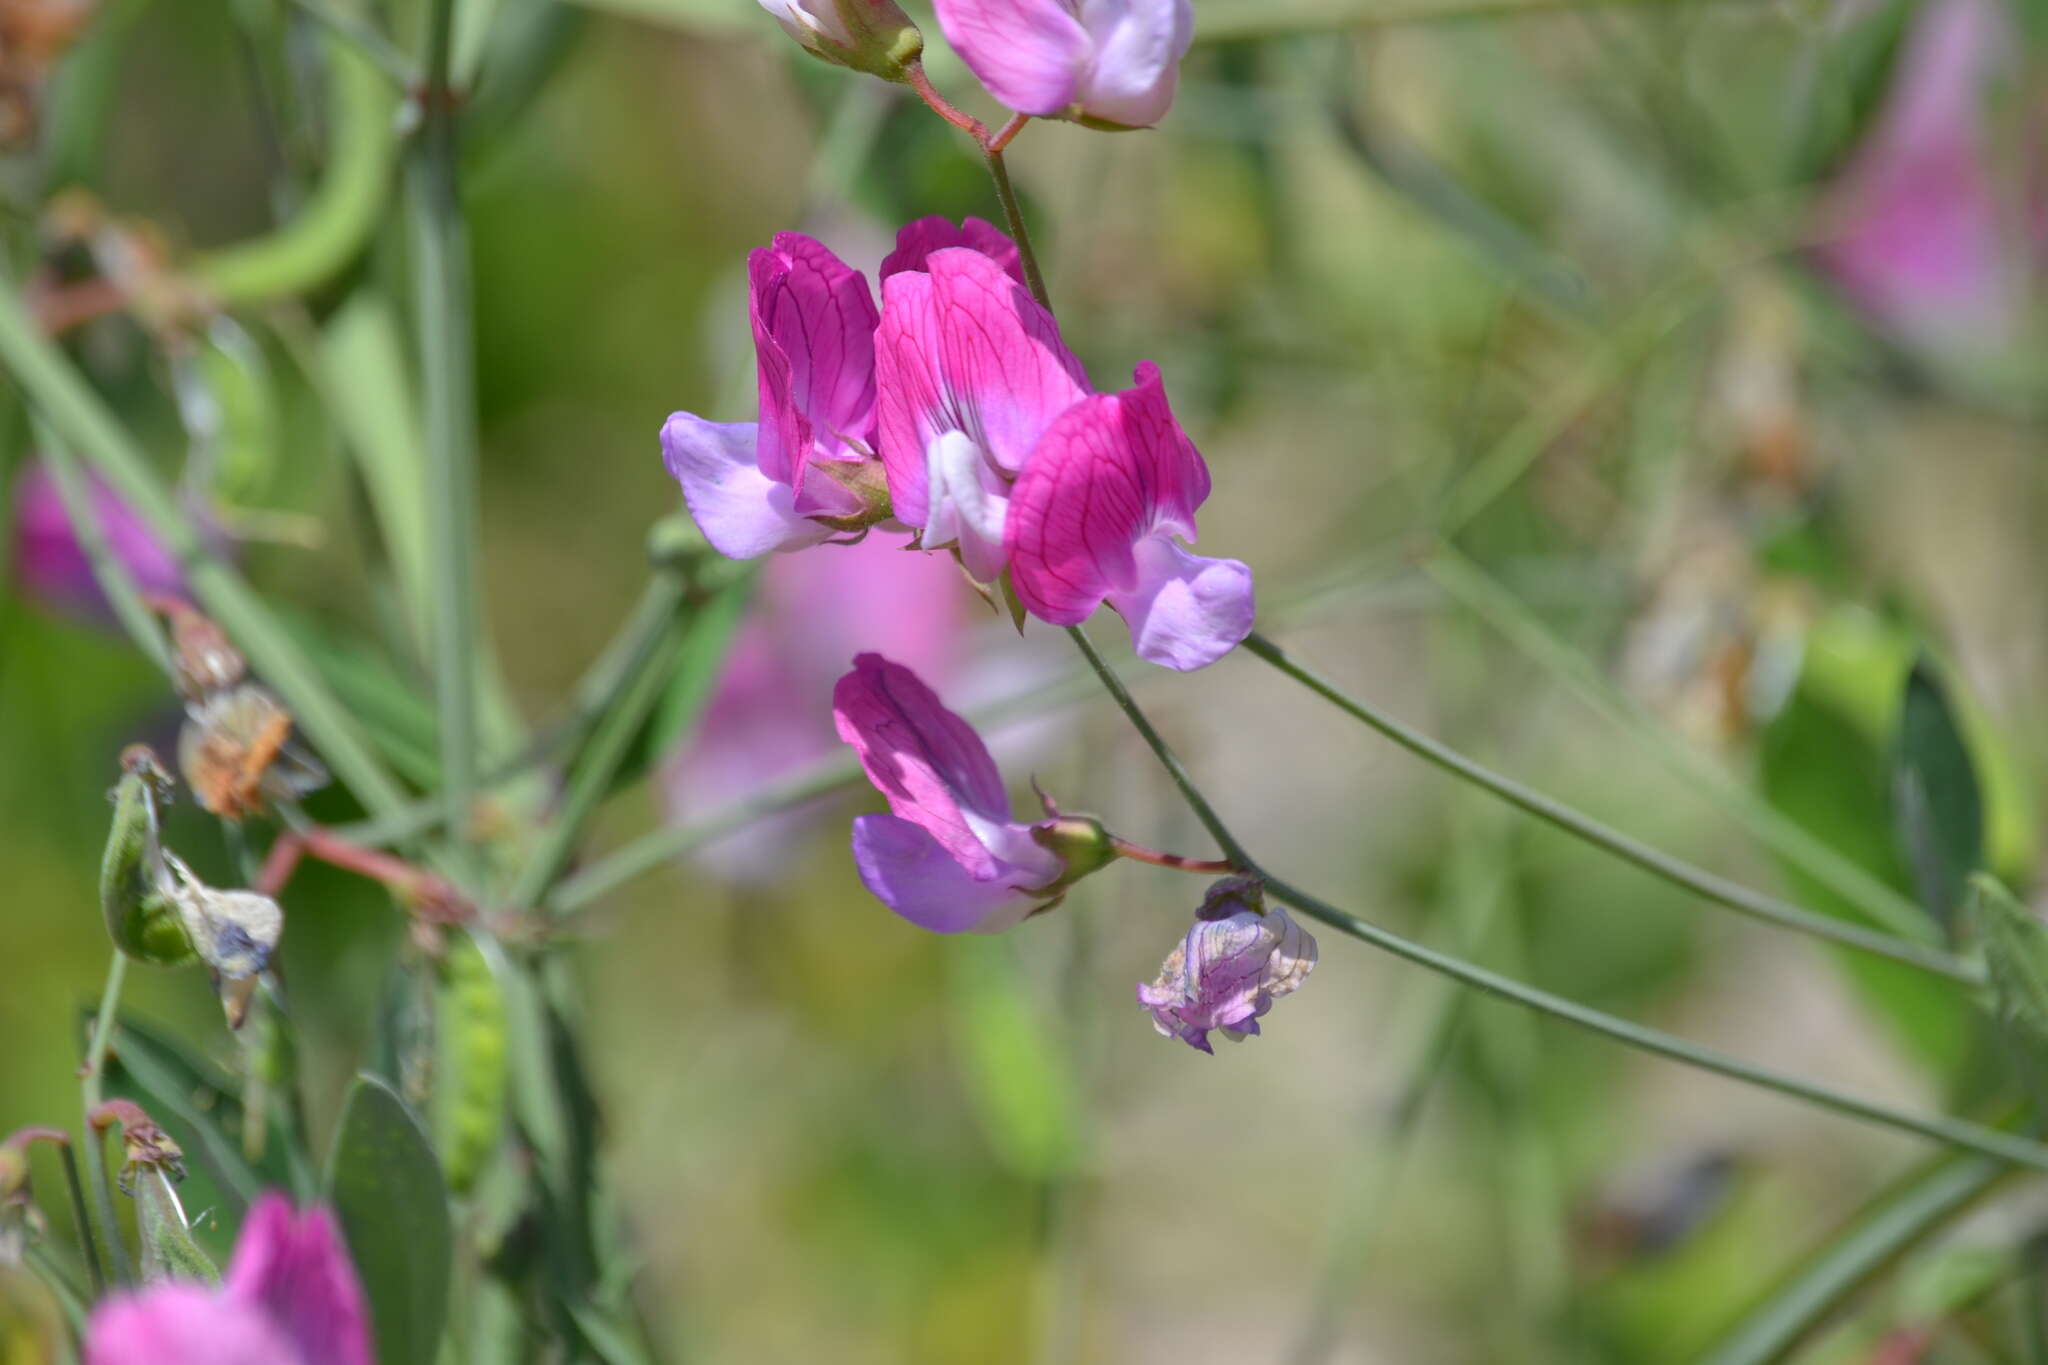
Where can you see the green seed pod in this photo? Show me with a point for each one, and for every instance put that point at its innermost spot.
(468, 1106)
(140, 919)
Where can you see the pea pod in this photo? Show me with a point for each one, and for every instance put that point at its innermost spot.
(468, 1106)
(140, 919)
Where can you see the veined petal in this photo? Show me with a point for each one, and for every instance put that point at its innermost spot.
(1185, 612)
(913, 874)
(1029, 53)
(963, 347)
(742, 512)
(814, 326)
(968, 504)
(916, 241)
(1137, 51)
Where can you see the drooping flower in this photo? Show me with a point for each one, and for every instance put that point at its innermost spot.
(970, 372)
(874, 36)
(1236, 960)
(291, 1297)
(1111, 62)
(1093, 518)
(51, 565)
(805, 471)
(949, 856)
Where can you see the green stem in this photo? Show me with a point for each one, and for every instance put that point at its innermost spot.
(93, 1084)
(55, 389)
(364, 37)
(79, 1215)
(1013, 215)
(447, 368)
(1705, 884)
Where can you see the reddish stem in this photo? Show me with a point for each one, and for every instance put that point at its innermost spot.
(1208, 867)
(432, 896)
(913, 74)
(1007, 133)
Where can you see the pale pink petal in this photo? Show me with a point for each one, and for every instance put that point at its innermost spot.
(814, 324)
(1138, 46)
(1029, 53)
(742, 511)
(909, 871)
(295, 1268)
(968, 502)
(963, 347)
(918, 240)
(802, 17)
(1185, 612)
(186, 1324)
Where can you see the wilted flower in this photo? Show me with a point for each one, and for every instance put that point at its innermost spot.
(868, 35)
(1110, 62)
(970, 373)
(1094, 516)
(1234, 963)
(949, 857)
(233, 932)
(290, 1298)
(51, 565)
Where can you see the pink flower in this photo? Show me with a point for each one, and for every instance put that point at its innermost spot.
(1233, 964)
(1923, 238)
(1093, 519)
(50, 563)
(949, 857)
(970, 372)
(1105, 61)
(808, 616)
(874, 36)
(798, 475)
(290, 1298)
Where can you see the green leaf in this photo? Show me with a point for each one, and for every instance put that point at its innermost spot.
(1937, 806)
(1011, 1061)
(387, 1190)
(2016, 958)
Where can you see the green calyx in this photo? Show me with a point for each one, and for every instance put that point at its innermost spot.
(1080, 842)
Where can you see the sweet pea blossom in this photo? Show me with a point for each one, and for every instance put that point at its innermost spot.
(874, 36)
(1234, 963)
(1093, 518)
(1112, 62)
(49, 562)
(970, 372)
(949, 856)
(290, 1298)
(804, 471)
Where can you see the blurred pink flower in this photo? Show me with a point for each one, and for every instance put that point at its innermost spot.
(1093, 518)
(50, 563)
(809, 615)
(1924, 237)
(1108, 61)
(1233, 964)
(290, 1298)
(949, 857)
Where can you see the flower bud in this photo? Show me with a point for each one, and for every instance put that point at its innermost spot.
(874, 36)
(234, 933)
(1234, 963)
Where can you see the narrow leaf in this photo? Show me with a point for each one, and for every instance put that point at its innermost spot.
(387, 1190)
(1937, 805)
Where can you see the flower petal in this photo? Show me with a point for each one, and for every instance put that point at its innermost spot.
(963, 347)
(968, 505)
(913, 874)
(742, 511)
(1138, 46)
(1029, 53)
(814, 327)
(296, 1269)
(185, 1324)
(918, 240)
(1185, 612)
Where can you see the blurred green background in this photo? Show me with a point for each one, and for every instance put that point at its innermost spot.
(1450, 296)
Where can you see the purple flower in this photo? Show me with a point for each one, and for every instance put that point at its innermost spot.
(1113, 62)
(50, 563)
(1233, 964)
(290, 1298)
(1094, 516)
(949, 857)
(970, 372)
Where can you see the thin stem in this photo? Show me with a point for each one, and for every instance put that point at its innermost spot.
(364, 37)
(447, 367)
(915, 77)
(86, 1239)
(1007, 134)
(1138, 853)
(92, 1082)
(1013, 217)
(1705, 884)
(1198, 803)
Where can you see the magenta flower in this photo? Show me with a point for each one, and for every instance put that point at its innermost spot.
(1093, 519)
(802, 473)
(1113, 62)
(1921, 237)
(948, 857)
(50, 563)
(970, 372)
(1233, 964)
(290, 1298)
